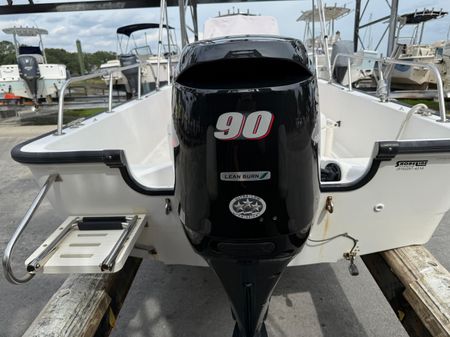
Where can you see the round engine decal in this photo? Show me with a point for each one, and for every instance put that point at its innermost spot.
(247, 206)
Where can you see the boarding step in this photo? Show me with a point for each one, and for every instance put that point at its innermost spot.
(88, 244)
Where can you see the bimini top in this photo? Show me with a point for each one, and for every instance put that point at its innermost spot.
(422, 16)
(130, 29)
(25, 31)
(331, 13)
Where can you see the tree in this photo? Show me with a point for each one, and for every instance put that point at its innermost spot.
(59, 56)
(7, 52)
(94, 60)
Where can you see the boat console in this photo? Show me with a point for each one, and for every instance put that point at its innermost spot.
(246, 163)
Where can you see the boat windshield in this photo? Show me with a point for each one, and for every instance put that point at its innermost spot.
(143, 51)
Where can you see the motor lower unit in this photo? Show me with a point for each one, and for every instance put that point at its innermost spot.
(246, 162)
(130, 74)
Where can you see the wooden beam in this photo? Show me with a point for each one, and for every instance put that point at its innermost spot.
(79, 6)
(85, 305)
(393, 290)
(425, 285)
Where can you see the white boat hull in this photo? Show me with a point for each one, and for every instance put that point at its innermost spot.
(53, 77)
(149, 73)
(411, 77)
(392, 193)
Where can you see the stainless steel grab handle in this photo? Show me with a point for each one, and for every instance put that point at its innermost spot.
(102, 72)
(384, 60)
(7, 269)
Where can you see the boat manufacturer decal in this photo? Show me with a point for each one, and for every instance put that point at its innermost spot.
(235, 125)
(406, 165)
(245, 176)
(247, 206)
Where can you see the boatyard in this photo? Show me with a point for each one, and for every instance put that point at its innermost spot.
(219, 175)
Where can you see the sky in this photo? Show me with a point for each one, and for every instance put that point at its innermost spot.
(96, 29)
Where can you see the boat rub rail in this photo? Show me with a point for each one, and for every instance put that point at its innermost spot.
(115, 158)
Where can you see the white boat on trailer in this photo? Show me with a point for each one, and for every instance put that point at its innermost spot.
(248, 172)
(415, 50)
(32, 77)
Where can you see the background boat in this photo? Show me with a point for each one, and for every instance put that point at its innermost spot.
(32, 77)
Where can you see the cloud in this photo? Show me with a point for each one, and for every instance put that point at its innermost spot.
(97, 29)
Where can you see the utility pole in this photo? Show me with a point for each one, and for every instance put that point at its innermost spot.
(80, 58)
(357, 23)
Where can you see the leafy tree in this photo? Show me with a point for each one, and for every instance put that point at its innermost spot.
(60, 56)
(94, 60)
(7, 52)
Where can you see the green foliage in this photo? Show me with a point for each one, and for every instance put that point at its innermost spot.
(85, 112)
(60, 56)
(7, 52)
(92, 61)
(430, 103)
(97, 58)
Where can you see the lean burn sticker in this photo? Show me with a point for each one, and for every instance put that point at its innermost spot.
(245, 176)
(247, 206)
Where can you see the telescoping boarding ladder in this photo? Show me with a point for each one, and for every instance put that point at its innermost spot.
(81, 244)
(84, 244)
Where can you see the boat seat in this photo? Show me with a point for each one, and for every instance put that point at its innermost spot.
(350, 168)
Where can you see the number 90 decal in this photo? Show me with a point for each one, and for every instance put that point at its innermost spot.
(233, 125)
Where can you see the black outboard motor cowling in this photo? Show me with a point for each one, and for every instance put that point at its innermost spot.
(130, 74)
(30, 73)
(246, 165)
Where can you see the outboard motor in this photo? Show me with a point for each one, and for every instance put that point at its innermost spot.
(130, 74)
(246, 164)
(29, 72)
(340, 69)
